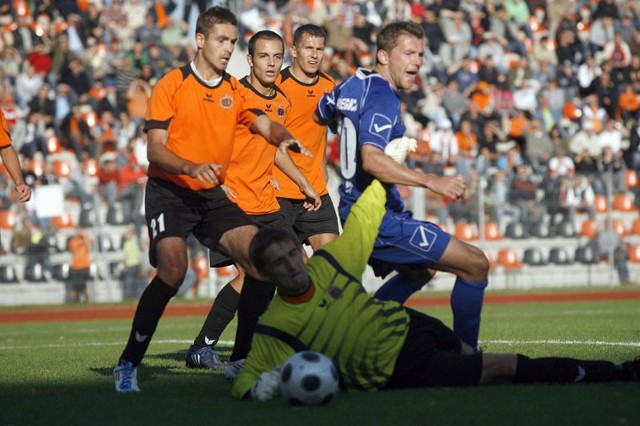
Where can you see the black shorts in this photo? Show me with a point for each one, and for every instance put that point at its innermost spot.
(431, 356)
(172, 211)
(306, 223)
(77, 279)
(276, 220)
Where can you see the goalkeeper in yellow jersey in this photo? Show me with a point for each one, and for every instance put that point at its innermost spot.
(374, 344)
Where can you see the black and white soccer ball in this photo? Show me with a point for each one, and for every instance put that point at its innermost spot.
(308, 378)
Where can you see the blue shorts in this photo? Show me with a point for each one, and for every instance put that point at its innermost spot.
(403, 240)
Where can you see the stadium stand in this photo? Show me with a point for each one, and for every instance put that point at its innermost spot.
(97, 73)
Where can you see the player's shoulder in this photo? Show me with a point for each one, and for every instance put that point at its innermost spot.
(324, 78)
(174, 78)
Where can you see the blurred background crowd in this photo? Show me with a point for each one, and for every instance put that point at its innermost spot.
(536, 103)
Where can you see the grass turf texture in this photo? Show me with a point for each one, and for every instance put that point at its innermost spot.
(60, 373)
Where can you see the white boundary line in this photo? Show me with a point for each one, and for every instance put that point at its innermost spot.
(230, 343)
(562, 342)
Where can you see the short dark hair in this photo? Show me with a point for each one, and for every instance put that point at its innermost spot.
(388, 37)
(263, 239)
(214, 15)
(310, 29)
(262, 35)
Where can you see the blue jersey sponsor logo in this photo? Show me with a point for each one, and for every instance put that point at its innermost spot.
(381, 125)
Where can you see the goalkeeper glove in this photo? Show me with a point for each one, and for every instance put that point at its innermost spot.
(399, 148)
(266, 387)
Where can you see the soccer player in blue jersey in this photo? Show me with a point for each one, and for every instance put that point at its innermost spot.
(374, 344)
(367, 109)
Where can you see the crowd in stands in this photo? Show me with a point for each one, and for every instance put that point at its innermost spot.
(539, 99)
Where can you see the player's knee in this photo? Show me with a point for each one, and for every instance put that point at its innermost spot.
(477, 264)
(172, 273)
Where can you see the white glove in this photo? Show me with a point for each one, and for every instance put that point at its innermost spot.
(266, 387)
(399, 148)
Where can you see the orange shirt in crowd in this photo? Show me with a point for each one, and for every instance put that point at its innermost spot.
(252, 161)
(80, 252)
(628, 101)
(467, 143)
(518, 124)
(304, 101)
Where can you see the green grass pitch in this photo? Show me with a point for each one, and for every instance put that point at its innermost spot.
(59, 373)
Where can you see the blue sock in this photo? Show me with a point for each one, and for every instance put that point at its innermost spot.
(397, 288)
(466, 304)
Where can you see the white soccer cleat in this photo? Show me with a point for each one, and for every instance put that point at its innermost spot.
(125, 377)
(399, 148)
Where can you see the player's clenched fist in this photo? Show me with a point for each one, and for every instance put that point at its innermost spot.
(295, 146)
(449, 186)
(205, 173)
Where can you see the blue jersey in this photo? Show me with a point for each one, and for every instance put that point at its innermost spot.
(368, 111)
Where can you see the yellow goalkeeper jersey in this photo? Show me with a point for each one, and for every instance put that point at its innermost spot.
(363, 336)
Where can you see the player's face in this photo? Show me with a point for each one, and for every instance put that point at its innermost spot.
(217, 47)
(286, 268)
(405, 61)
(308, 53)
(266, 61)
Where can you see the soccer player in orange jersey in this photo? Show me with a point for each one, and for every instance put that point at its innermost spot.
(248, 184)
(190, 121)
(11, 161)
(305, 84)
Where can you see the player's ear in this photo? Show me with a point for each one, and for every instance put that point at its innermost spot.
(249, 60)
(200, 39)
(293, 52)
(382, 57)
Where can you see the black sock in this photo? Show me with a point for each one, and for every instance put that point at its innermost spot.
(150, 308)
(565, 370)
(221, 313)
(254, 300)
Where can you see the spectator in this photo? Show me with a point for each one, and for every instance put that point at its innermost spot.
(500, 197)
(594, 114)
(621, 261)
(588, 71)
(579, 198)
(561, 164)
(631, 154)
(44, 106)
(61, 56)
(628, 105)
(133, 280)
(77, 77)
(79, 245)
(149, 32)
(27, 85)
(444, 142)
(538, 146)
(467, 149)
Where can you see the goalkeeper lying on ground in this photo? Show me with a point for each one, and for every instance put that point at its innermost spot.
(322, 306)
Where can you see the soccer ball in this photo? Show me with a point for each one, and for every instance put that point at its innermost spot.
(308, 378)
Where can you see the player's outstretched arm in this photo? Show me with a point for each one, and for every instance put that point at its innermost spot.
(277, 134)
(386, 169)
(12, 163)
(163, 157)
(284, 162)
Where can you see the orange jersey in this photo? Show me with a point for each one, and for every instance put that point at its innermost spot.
(5, 136)
(304, 100)
(252, 161)
(80, 256)
(200, 119)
